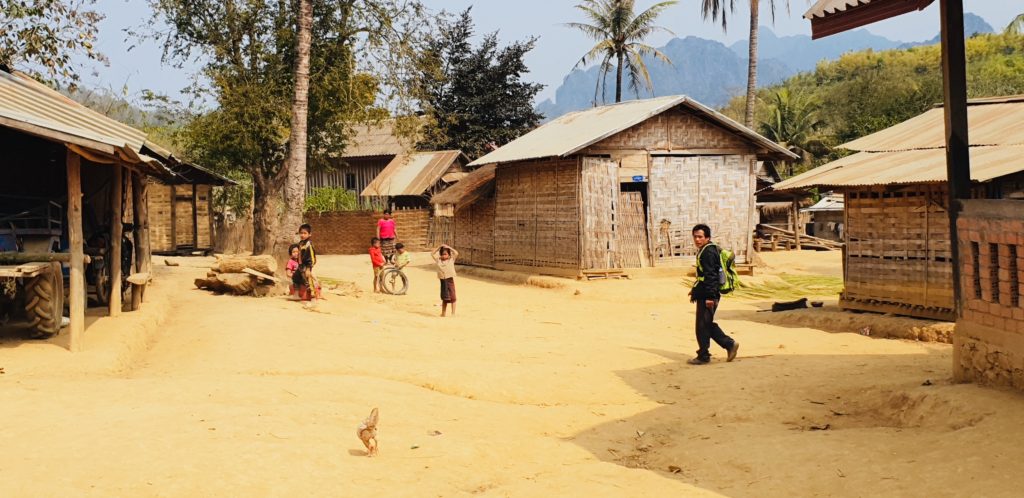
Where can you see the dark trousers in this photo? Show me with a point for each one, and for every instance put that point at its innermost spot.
(707, 330)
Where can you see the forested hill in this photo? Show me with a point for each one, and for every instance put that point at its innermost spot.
(713, 73)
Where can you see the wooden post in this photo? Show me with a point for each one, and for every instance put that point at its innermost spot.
(958, 159)
(195, 218)
(796, 221)
(75, 241)
(114, 255)
(209, 207)
(143, 251)
(174, 220)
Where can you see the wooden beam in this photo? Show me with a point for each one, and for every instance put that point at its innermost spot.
(114, 256)
(861, 15)
(796, 222)
(140, 217)
(209, 207)
(77, 250)
(174, 220)
(195, 218)
(958, 159)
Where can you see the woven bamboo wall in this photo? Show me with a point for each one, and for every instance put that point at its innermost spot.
(631, 229)
(600, 198)
(183, 235)
(898, 249)
(687, 190)
(673, 130)
(474, 233)
(537, 214)
(160, 218)
(203, 208)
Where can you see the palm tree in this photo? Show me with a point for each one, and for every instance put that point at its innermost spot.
(718, 9)
(619, 33)
(295, 181)
(792, 121)
(1016, 26)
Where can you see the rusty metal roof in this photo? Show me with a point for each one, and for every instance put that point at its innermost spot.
(907, 167)
(415, 173)
(34, 108)
(829, 17)
(990, 122)
(575, 131)
(474, 186)
(377, 139)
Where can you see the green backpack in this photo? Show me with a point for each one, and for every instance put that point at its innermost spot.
(728, 280)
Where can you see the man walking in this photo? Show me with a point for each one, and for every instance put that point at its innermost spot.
(706, 294)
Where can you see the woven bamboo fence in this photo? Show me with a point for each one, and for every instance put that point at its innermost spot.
(600, 198)
(632, 231)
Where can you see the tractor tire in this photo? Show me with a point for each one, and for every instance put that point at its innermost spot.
(44, 302)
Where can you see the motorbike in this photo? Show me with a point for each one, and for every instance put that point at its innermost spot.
(98, 272)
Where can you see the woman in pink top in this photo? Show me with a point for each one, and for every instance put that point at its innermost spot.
(387, 233)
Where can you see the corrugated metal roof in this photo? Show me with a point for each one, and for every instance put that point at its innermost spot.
(990, 122)
(907, 167)
(377, 140)
(575, 131)
(43, 109)
(469, 189)
(824, 8)
(414, 174)
(828, 202)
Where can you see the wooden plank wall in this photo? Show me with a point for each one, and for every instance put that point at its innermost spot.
(203, 210)
(600, 197)
(687, 190)
(537, 214)
(898, 248)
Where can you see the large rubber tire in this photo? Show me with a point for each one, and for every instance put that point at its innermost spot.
(44, 302)
(393, 281)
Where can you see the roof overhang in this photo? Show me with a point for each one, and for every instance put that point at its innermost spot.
(829, 17)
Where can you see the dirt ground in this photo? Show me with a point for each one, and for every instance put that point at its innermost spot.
(580, 390)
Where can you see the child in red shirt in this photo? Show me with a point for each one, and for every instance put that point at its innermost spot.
(377, 259)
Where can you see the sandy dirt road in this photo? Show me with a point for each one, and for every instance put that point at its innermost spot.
(526, 392)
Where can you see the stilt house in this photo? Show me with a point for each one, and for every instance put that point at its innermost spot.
(621, 186)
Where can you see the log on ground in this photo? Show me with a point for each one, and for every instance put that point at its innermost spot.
(238, 284)
(237, 264)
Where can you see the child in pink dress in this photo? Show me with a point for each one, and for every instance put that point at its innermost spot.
(292, 267)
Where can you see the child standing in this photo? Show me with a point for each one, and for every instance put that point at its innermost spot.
(401, 257)
(377, 260)
(387, 234)
(303, 276)
(292, 267)
(445, 257)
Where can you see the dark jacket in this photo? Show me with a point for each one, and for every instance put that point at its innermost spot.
(709, 270)
(307, 256)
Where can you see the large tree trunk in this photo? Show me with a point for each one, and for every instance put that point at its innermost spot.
(618, 80)
(267, 197)
(752, 64)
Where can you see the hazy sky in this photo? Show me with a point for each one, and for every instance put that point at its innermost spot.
(558, 48)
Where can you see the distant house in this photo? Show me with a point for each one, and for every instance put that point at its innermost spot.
(411, 179)
(370, 150)
(621, 186)
(826, 217)
(181, 210)
(464, 217)
(896, 227)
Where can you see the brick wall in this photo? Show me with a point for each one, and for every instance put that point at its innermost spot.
(349, 232)
(989, 339)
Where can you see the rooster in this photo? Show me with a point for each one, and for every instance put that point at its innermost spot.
(367, 432)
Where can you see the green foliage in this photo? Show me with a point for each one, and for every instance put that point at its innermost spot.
(473, 98)
(45, 34)
(331, 199)
(864, 92)
(791, 120)
(619, 32)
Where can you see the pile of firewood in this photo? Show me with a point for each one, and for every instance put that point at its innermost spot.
(241, 276)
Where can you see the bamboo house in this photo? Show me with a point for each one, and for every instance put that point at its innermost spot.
(181, 210)
(620, 186)
(896, 229)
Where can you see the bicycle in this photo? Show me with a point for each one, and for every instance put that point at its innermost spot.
(392, 280)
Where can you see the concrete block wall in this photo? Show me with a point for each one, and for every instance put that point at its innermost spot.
(989, 339)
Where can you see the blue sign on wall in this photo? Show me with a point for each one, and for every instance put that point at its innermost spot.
(639, 178)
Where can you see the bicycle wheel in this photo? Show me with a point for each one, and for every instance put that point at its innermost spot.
(393, 281)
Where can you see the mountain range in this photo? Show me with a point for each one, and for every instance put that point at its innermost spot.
(713, 73)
